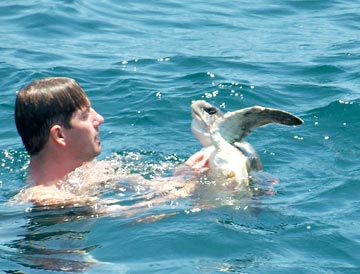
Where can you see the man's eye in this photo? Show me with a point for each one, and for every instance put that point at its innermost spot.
(85, 115)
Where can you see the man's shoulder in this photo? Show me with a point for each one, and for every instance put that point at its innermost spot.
(46, 195)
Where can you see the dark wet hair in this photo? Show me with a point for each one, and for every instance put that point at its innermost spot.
(44, 103)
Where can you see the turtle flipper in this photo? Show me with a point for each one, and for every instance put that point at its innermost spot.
(251, 154)
(236, 125)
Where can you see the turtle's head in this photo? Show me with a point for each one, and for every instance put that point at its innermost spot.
(205, 116)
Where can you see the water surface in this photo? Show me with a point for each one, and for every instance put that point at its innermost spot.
(142, 64)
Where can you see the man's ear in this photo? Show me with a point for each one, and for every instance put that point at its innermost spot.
(57, 135)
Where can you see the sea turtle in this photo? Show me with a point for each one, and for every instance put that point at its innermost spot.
(222, 135)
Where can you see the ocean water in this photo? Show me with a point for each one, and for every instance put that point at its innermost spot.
(142, 63)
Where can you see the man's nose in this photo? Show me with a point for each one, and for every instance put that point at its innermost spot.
(98, 119)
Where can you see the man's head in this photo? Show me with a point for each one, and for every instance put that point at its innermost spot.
(43, 104)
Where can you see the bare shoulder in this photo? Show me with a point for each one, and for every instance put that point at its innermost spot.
(49, 195)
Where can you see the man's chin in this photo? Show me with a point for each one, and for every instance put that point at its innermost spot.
(98, 151)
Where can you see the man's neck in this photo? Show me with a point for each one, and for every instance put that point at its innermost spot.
(47, 171)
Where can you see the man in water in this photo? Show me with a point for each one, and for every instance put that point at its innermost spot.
(60, 131)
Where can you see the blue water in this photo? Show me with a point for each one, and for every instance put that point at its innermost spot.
(142, 63)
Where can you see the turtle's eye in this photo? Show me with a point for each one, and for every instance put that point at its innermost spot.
(210, 110)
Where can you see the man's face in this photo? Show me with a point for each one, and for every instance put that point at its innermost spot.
(82, 139)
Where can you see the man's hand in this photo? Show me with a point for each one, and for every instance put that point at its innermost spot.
(199, 162)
